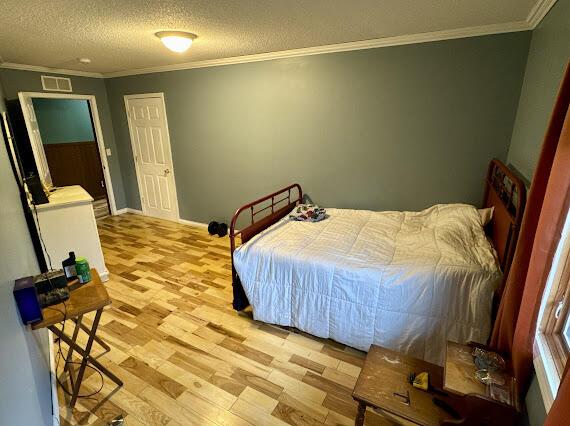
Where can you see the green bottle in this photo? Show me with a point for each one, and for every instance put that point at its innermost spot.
(82, 270)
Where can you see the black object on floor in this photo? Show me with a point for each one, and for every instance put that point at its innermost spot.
(222, 230)
(217, 228)
(213, 227)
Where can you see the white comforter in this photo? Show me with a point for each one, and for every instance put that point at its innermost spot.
(407, 281)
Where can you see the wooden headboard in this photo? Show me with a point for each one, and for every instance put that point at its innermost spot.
(506, 192)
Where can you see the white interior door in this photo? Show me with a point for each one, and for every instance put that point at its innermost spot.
(152, 153)
(35, 139)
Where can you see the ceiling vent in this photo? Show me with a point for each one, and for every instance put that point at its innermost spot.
(56, 84)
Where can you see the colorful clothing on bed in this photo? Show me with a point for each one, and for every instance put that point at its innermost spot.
(308, 213)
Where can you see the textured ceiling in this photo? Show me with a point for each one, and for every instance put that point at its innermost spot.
(118, 35)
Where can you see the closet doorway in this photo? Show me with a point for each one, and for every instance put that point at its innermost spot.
(67, 130)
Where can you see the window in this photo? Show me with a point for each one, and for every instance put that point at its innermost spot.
(552, 343)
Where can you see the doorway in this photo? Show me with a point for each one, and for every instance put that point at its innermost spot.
(67, 141)
(150, 142)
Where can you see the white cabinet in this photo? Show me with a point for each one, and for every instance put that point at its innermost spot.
(67, 223)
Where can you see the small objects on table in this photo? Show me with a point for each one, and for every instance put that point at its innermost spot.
(420, 381)
(82, 270)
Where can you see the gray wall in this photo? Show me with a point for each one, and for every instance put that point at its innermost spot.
(15, 81)
(63, 120)
(25, 389)
(534, 404)
(547, 59)
(393, 128)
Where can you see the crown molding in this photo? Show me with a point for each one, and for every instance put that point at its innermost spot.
(37, 68)
(538, 12)
(333, 48)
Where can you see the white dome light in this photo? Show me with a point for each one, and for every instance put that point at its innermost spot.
(177, 41)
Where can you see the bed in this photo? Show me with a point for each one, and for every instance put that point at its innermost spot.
(408, 281)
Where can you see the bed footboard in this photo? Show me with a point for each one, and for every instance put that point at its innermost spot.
(276, 206)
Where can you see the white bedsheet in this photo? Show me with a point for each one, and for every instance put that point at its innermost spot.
(407, 281)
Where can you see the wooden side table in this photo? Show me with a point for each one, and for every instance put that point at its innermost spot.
(383, 385)
(87, 298)
(480, 404)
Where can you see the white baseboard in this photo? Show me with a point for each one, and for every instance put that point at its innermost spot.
(128, 210)
(181, 221)
(134, 211)
(53, 380)
(192, 223)
(104, 276)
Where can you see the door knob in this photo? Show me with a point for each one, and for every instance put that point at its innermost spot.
(166, 172)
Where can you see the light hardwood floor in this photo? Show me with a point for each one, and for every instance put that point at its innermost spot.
(186, 357)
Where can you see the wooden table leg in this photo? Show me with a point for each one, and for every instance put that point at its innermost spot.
(69, 358)
(85, 354)
(85, 358)
(97, 339)
(82, 352)
(359, 421)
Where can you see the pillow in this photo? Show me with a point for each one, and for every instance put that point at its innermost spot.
(308, 213)
(486, 215)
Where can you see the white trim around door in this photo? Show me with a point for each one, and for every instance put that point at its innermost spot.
(96, 126)
(146, 210)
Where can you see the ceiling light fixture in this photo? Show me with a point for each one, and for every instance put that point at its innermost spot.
(177, 41)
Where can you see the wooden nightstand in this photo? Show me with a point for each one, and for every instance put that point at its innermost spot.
(383, 386)
(478, 403)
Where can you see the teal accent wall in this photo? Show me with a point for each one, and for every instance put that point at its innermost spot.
(63, 120)
(548, 55)
(400, 127)
(15, 81)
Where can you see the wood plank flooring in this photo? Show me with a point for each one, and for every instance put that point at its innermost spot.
(187, 358)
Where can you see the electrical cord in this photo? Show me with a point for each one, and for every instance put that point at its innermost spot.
(60, 353)
(42, 238)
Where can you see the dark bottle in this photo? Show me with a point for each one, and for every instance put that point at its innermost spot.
(69, 266)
